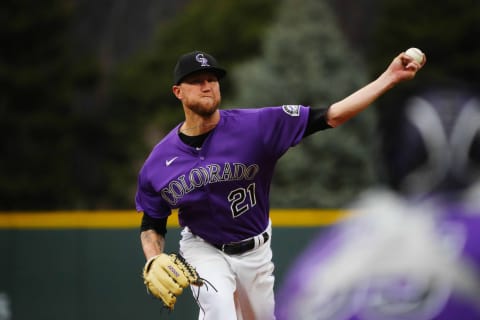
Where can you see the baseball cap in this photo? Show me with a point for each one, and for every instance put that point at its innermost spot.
(196, 61)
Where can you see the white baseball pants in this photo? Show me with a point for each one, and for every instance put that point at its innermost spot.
(243, 284)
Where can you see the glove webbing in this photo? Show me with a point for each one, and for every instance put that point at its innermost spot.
(201, 281)
(193, 274)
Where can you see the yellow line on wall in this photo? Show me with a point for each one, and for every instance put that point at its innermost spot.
(305, 217)
(70, 219)
(131, 219)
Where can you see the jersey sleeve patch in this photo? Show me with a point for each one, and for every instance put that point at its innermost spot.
(291, 110)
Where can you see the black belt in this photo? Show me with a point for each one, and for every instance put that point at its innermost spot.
(241, 246)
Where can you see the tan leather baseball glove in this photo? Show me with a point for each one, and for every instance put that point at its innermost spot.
(166, 275)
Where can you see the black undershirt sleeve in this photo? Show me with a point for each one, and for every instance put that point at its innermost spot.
(149, 223)
(317, 120)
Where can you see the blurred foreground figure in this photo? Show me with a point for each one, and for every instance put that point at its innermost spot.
(392, 260)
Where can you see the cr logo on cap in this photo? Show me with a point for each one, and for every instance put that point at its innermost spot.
(202, 60)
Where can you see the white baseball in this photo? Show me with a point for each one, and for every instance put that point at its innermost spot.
(416, 54)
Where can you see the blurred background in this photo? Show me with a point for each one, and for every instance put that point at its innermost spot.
(85, 93)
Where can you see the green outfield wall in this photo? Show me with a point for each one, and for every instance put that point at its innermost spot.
(87, 265)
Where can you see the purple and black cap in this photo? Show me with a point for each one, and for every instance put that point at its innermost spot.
(196, 61)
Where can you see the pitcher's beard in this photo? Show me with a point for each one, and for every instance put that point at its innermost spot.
(202, 110)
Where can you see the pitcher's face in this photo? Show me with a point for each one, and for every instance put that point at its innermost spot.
(200, 93)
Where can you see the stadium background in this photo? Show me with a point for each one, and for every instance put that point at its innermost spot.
(84, 95)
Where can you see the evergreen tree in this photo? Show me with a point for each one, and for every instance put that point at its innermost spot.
(35, 89)
(61, 149)
(306, 60)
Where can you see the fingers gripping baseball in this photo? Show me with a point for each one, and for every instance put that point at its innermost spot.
(165, 277)
(412, 64)
(406, 65)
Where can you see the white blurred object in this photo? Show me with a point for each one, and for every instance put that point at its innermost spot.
(390, 260)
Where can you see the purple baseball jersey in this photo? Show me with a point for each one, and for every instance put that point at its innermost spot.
(392, 261)
(222, 189)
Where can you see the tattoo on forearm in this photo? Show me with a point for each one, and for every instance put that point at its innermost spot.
(151, 240)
